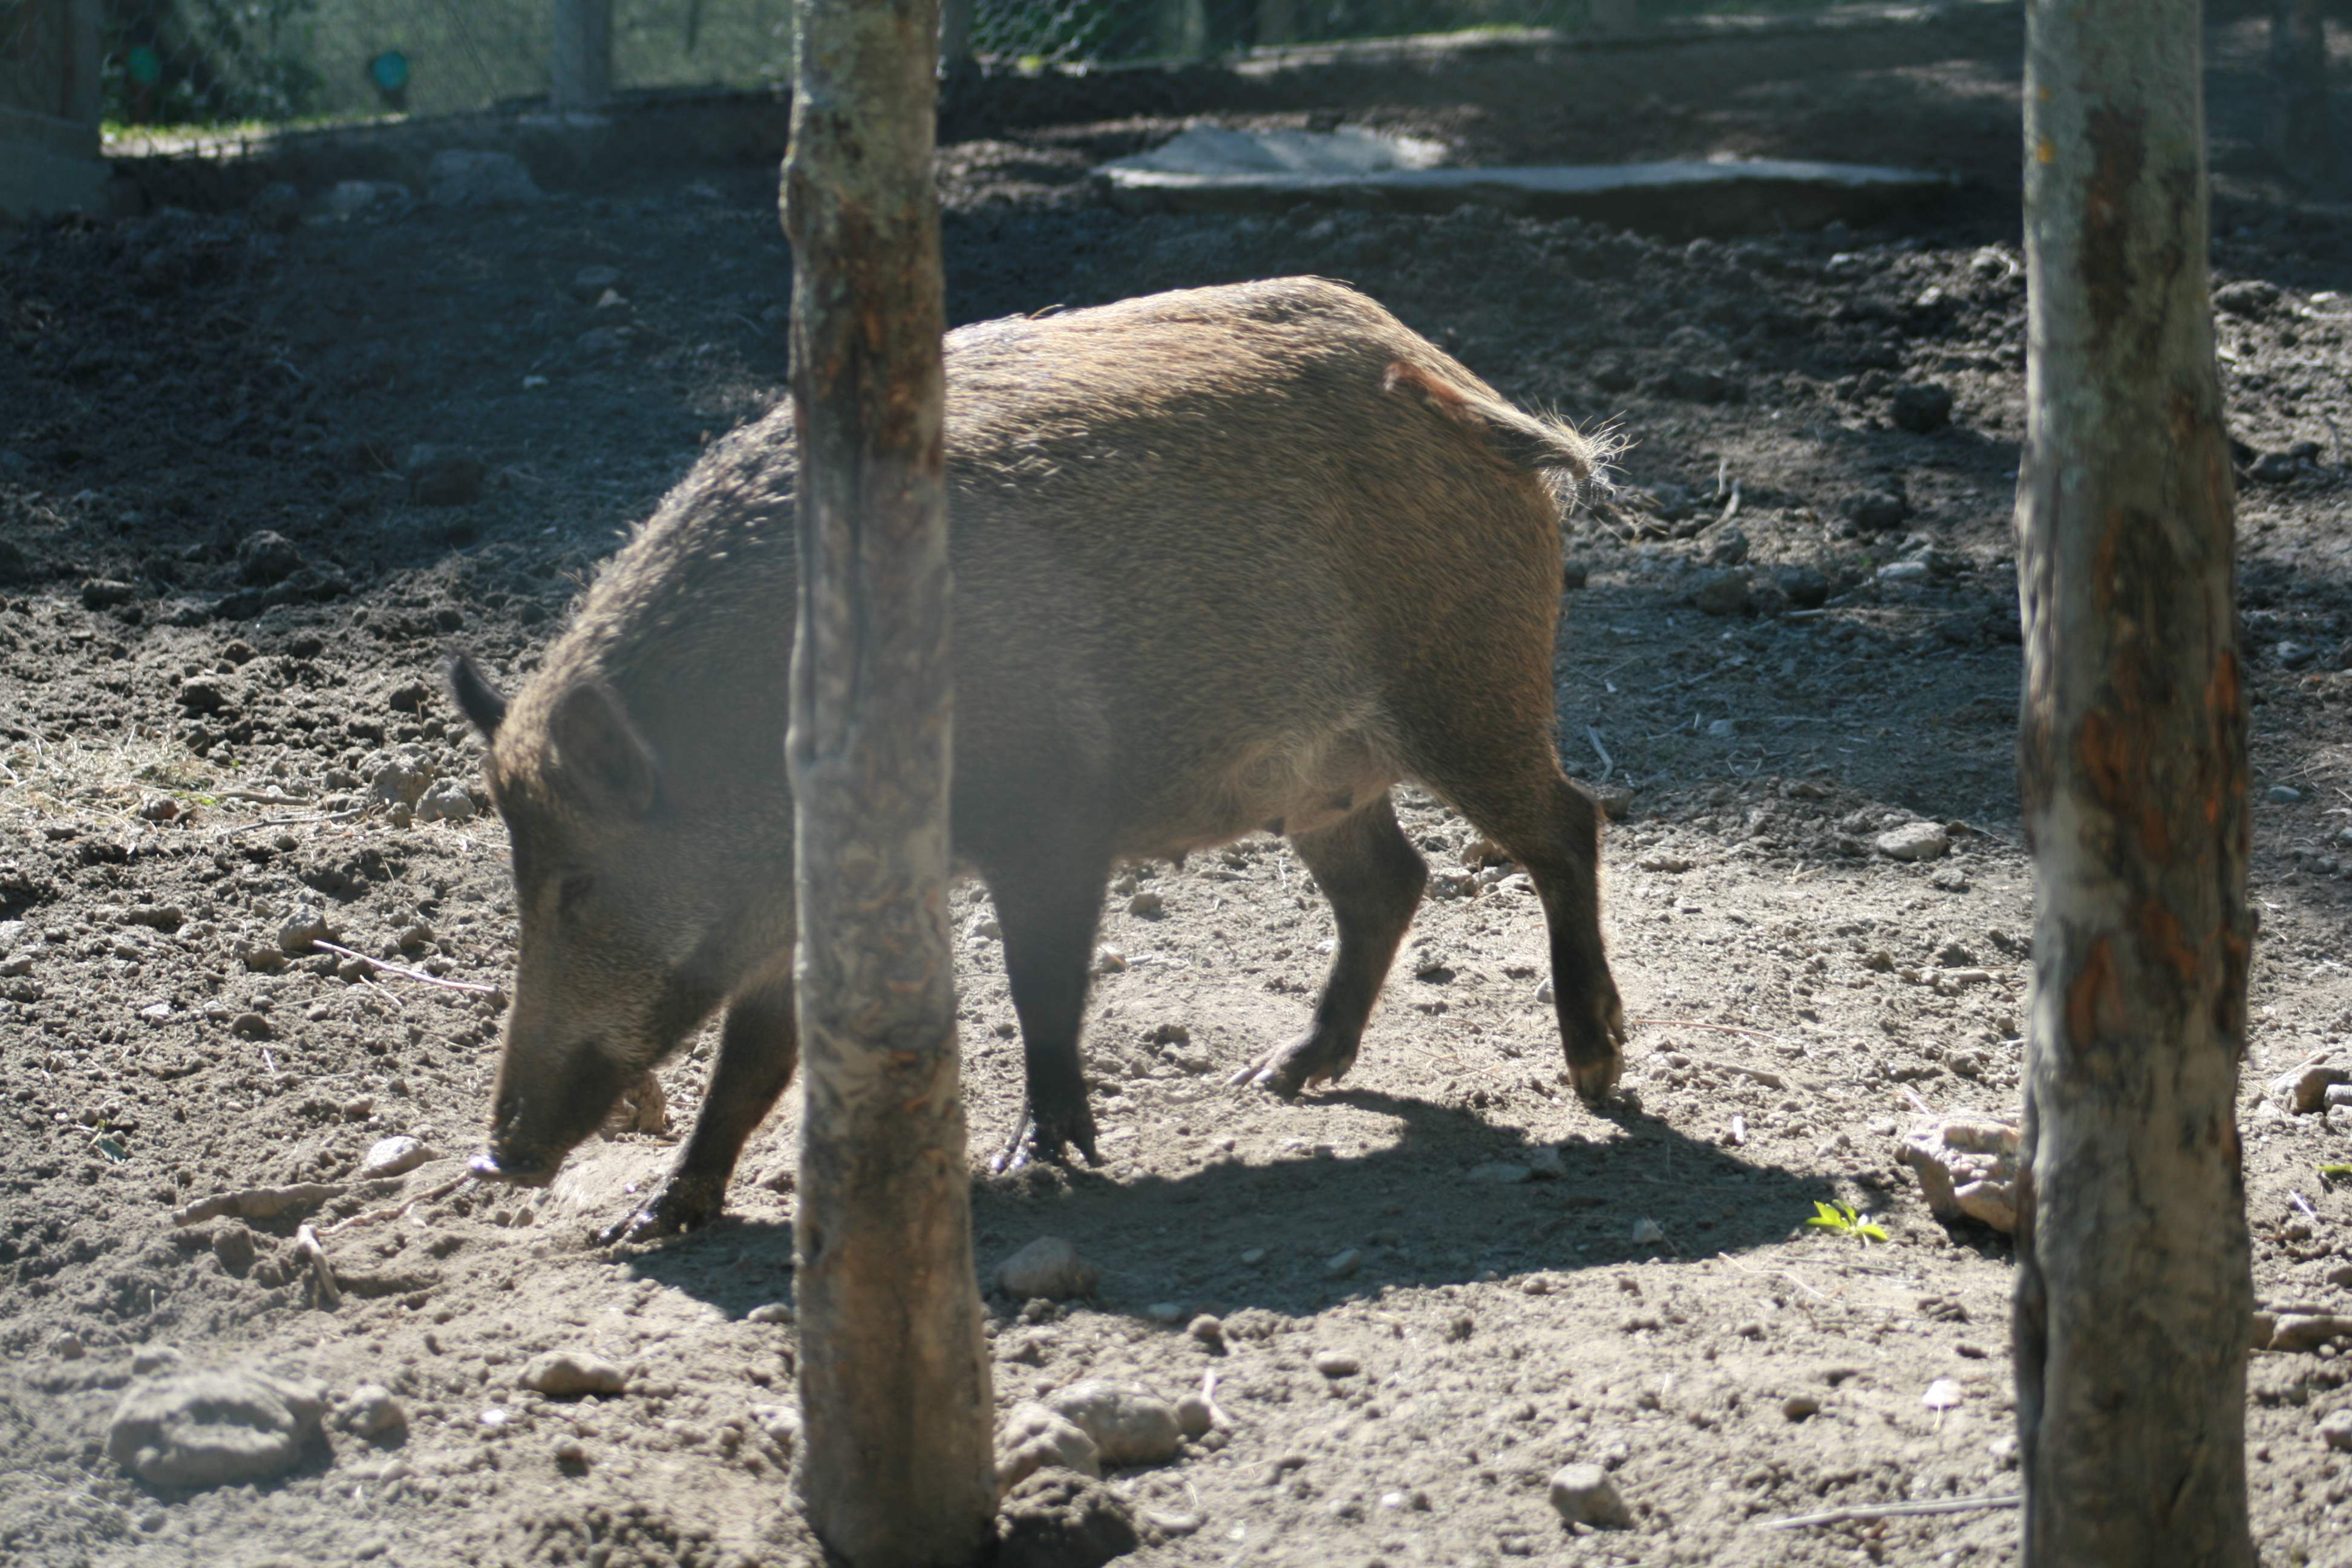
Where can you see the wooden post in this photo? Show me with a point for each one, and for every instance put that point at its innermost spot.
(2301, 129)
(956, 61)
(897, 1471)
(582, 77)
(2133, 1288)
(50, 87)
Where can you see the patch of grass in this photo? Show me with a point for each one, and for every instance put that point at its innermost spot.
(1845, 1220)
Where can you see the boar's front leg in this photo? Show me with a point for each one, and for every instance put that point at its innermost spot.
(1373, 877)
(759, 1046)
(1049, 905)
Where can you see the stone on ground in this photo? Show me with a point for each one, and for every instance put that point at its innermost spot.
(214, 1428)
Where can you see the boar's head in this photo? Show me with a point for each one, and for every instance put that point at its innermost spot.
(637, 918)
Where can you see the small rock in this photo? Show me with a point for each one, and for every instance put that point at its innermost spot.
(1807, 589)
(1879, 511)
(349, 198)
(1129, 1426)
(66, 1346)
(1967, 1167)
(1722, 593)
(392, 1156)
(1209, 1331)
(1922, 407)
(770, 1312)
(1913, 841)
(266, 556)
(2275, 468)
(781, 1423)
(1146, 903)
(1048, 1268)
(307, 924)
(1195, 1415)
(1340, 1265)
(1546, 1163)
(445, 479)
(2288, 654)
(600, 344)
(444, 802)
(214, 1428)
(233, 1245)
(590, 283)
(1109, 961)
(1035, 1437)
(1584, 1494)
(567, 1374)
(402, 781)
(152, 1359)
(1058, 1520)
(204, 694)
(2336, 1430)
(370, 1413)
(1647, 1232)
(1800, 1407)
(463, 178)
(2305, 1089)
(101, 593)
(1666, 861)
(1503, 1172)
(2282, 794)
(1167, 1313)
(1336, 1363)
(1944, 1394)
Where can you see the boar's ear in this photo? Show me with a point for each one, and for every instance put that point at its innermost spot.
(477, 698)
(600, 752)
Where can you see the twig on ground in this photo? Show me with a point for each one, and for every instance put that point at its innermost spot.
(1608, 764)
(419, 976)
(1695, 1023)
(262, 797)
(322, 1275)
(259, 1202)
(1894, 1511)
(378, 1217)
(1764, 1076)
(293, 821)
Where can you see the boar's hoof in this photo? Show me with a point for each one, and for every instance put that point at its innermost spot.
(490, 1166)
(1288, 1069)
(1595, 1059)
(1049, 1138)
(684, 1203)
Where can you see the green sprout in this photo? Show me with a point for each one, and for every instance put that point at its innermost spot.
(2335, 1173)
(1843, 1219)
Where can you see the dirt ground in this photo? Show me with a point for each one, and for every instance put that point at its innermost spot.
(192, 715)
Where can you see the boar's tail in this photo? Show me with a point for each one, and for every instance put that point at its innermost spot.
(1534, 441)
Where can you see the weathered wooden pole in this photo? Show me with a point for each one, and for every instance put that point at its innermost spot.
(894, 1380)
(2302, 130)
(2133, 1288)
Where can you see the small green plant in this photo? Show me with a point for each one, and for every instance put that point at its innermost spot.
(2335, 1173)
(1843, 1219)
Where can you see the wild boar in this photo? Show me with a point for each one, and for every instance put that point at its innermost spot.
(1227, 561)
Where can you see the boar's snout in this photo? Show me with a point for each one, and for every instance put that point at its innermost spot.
(543, 1108)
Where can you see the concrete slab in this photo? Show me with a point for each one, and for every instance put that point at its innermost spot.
(1207, 170)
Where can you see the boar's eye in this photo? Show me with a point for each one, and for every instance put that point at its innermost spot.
(573, 893)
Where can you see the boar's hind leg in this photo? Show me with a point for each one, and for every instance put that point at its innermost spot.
(1048, 907)
(1517, 794)
(759, 1046)
(1374, 877)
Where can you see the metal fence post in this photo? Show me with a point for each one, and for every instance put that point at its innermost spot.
(582, 76)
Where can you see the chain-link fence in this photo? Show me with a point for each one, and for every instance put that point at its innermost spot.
(193, 69)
